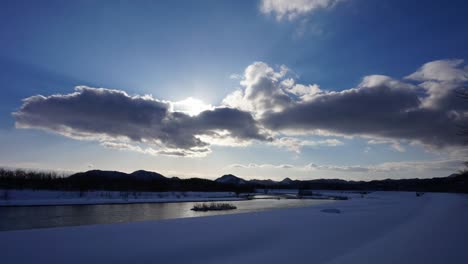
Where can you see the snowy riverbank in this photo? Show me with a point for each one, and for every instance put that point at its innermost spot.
(382, 227)
(43, 197)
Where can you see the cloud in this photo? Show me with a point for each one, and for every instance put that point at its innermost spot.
(305, 92)
(435, 165)
(235, 76)
(422, 108)
(440, 80)
(448, 165)
(191, 106)
(441, 70)
(261, 166)
(271, 106)
(393, 144)
(117, 119)
(295, 144)
(193, 152)
(380, 107)
(262, 90)
(266, 89)
(354, 168)
(292, 9)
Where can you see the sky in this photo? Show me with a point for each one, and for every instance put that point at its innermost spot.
(306, 89)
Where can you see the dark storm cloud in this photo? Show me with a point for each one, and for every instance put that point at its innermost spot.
(112, 115)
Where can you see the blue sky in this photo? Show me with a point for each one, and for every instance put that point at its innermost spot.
(174, 50)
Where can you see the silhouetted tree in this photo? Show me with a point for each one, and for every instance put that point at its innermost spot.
(463, 93)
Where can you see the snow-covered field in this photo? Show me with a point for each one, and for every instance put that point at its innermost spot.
(382, 227)
(42, 197)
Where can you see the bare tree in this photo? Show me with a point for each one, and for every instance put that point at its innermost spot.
(463, 93)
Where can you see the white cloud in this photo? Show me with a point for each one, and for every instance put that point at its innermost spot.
(261, 166)
(118, 120)
(262, 91)
(295, 144)
(224, 138)
(292, 9)
(441, 70)
(441, 79)
(380, 107)
(305, 92)
(235, 76)
(446, 166)
(269, 103)
(394, 144)
(177, 152)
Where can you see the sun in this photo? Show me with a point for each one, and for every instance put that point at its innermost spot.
(191, 106)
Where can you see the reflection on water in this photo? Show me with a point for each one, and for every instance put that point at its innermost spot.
(13, 218)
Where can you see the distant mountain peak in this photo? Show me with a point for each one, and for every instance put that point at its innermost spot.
(230, 179)
(286, 180)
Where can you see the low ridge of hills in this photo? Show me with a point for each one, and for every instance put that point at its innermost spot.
(452, 183)
(142, 180)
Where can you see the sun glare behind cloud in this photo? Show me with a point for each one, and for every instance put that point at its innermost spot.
(191, 106)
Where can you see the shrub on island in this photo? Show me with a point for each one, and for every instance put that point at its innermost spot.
(213, 207)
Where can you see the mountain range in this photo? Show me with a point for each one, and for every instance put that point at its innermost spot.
(452, 183)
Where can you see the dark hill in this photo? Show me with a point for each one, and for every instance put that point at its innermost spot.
(231, 179)
(152, 181)
(99, 175)
(147, 175)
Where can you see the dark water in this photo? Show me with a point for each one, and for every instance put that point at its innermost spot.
(14, 218)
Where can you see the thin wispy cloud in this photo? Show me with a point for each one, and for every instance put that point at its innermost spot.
(385, 167)
(296, 144)
(292, 9)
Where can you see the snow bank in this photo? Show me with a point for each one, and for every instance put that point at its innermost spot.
(387, 227)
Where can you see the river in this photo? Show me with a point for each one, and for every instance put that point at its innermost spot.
(29, 217)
